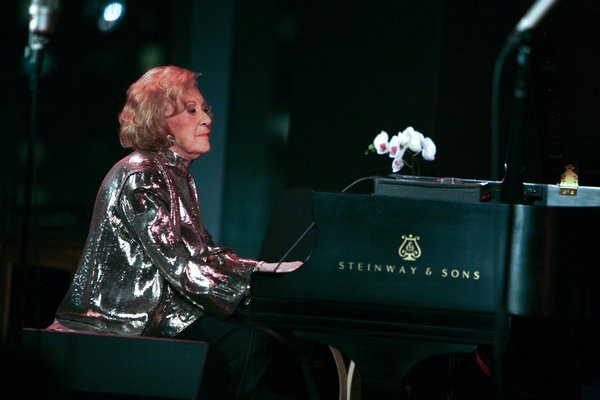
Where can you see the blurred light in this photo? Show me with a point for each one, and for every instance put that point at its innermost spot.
(112, 14)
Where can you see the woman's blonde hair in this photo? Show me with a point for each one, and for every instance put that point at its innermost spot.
(143, 121)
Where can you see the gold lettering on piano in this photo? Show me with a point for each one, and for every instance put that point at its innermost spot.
(409, 250)
(455, 273)
(368, 267)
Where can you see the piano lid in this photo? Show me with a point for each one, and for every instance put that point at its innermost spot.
(459, 189)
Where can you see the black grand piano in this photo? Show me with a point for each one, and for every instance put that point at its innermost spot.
(423, 267)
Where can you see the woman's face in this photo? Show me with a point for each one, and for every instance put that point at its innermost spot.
(190, 126)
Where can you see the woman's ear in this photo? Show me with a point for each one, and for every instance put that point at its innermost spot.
(168, 109)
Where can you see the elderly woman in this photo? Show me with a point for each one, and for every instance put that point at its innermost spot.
(149, 266)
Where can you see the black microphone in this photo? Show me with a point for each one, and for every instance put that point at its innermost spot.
(41, 23)
(534, 15)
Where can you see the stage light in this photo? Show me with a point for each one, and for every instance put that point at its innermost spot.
(112, 13)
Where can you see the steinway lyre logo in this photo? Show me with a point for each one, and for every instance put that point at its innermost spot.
(409, 250)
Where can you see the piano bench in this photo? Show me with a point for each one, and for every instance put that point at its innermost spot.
(90, 365)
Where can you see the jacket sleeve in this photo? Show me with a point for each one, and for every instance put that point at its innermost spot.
(173, 240)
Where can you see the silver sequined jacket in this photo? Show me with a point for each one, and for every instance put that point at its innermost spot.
(149, 267)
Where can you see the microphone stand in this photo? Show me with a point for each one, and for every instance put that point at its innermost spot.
(512, 184)
(34, 55)
(35, 60)
(511, 188)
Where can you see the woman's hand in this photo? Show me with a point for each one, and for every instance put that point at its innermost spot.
(282, 267)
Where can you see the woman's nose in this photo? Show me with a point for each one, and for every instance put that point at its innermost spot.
(205, 118)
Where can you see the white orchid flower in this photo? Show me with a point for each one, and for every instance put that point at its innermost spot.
(429, 149)
(394, 148)
(404, 136)
(381, 143)
(414, 143)
(397, 164)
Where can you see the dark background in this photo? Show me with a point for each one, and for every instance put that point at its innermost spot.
(310, 84)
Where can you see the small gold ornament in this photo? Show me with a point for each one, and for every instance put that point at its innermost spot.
(569, 182)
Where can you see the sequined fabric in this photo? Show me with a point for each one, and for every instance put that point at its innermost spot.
(149, 267)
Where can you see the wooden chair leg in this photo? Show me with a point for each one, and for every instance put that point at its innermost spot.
(349, 378)
(342, 371)
(353, 384)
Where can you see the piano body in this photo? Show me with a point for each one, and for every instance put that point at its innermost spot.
(428, 266)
